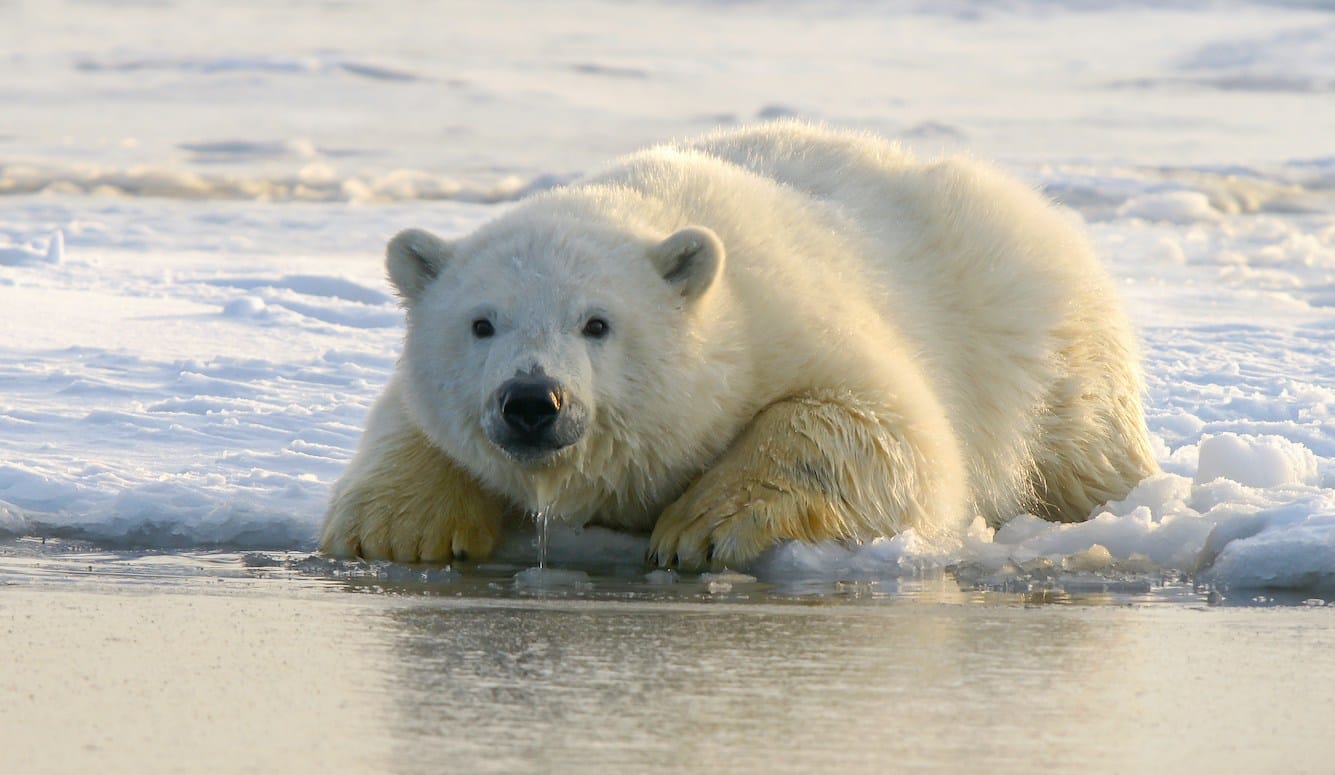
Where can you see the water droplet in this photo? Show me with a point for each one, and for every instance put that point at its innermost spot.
(542, 518)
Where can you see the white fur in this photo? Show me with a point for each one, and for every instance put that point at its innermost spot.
(960, 316)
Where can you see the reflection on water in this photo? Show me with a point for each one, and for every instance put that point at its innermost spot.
(573, 685)
(265, 662)
(645, 687)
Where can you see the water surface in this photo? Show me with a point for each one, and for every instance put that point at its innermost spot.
(152, 662)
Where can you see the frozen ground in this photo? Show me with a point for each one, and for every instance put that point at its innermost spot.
(193, 321)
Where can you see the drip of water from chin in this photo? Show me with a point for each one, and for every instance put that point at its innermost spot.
(542, 518)
(542, 578)
(545, 491)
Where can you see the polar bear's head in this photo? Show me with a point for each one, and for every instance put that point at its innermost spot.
(544, 347)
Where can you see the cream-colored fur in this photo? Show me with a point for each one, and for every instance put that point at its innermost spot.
(815, 466)
(852, 343)
(403, 499)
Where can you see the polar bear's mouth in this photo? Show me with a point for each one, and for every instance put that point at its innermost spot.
(532, 418)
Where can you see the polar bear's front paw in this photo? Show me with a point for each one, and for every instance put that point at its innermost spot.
(424, 516)
(810, 468)
(711, 527)
(403, 530)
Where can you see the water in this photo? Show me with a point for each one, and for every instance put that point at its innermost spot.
(258, 659)
(541, 519)
(547, 488)
(542, 577)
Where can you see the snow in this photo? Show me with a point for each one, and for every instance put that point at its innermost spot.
(1262, 461)
(52, 252)
(192, 210)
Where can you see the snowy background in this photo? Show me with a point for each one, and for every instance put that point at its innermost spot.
(194, 197)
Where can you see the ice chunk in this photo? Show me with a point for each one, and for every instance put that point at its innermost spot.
(1292, 547)
(552, 578)
(245, 307)
(661, 577)
(1172, 206)
(34, 252)
(1256, 461)
(722, 582)
(55, 249)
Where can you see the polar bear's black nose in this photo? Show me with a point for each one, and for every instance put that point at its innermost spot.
(530, 407)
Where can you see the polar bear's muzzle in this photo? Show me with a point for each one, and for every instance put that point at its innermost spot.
(533, 417)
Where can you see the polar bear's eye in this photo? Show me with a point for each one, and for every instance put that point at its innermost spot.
(482, 328)
(596, 328)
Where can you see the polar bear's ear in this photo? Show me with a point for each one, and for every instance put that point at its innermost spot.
(413, 258)
(689, 260)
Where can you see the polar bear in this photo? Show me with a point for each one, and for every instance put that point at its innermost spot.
(782, 332)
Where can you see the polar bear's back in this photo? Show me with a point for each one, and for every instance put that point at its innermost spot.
(823, 164)
(953, 233)
(1014, 317)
